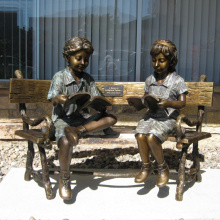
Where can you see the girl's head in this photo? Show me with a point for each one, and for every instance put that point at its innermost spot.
(168, 49)
(76, 44)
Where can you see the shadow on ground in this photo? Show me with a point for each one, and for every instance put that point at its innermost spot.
(108, 158)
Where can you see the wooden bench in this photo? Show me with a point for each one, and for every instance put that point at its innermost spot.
(24, 91)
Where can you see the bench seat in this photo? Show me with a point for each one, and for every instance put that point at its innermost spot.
(36, 136)
(23, 91)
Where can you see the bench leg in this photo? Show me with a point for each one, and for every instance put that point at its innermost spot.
(29, 161)
(181, 175)
(196, 162)
(45, 174)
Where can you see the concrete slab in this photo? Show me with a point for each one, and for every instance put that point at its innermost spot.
(110, 198)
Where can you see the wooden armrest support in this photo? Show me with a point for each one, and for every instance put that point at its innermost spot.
(180, 131)
(189, 122)
(46, 130)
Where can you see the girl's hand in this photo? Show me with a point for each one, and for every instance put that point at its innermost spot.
(180, 103)
(164, 103)
(61, 99)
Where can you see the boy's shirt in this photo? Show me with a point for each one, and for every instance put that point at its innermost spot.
(64, 83)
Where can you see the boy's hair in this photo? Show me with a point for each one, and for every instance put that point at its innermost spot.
(168, 49)
(75, 44)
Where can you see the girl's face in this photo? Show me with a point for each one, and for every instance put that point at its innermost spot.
(160, 64)
(79, 61)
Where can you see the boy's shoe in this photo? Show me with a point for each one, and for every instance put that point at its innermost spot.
(64, 185)
(73, 134)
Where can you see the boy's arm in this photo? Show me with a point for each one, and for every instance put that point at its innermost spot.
(180, 103)
(59, 99)
(55, 94)
(93, 90)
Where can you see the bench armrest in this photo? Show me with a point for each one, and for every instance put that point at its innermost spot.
(46, 130)
(180, 131)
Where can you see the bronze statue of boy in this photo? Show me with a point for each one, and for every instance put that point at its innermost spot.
(70, 124)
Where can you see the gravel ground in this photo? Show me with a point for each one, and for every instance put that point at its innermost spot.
(13, 154)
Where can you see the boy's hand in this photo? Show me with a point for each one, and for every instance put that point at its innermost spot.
(61, 99)
(101, 108)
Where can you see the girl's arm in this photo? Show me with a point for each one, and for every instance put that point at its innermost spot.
(145, 93)
(180, 103)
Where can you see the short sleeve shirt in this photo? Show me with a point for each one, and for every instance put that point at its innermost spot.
(64, 83)
(170, 89)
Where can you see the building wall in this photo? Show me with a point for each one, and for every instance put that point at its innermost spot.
(10, 119)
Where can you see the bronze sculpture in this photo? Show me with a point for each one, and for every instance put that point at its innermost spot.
(155, 126)
(71, 122)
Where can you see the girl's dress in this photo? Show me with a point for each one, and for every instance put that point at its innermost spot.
(163, 121)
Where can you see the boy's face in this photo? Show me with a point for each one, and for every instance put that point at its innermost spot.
(79, 61)
(160, 64)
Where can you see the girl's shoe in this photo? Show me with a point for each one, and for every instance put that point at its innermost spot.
(146, 170)
(163, 174)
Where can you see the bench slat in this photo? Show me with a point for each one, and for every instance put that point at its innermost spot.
(35, 91)
(34, 135)
(28, 91)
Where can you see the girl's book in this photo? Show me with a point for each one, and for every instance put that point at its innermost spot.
(148, 101)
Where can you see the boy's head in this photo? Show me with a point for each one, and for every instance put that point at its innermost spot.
(168, 49)
(76, 44)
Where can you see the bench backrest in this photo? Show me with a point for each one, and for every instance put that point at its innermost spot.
(35, 91)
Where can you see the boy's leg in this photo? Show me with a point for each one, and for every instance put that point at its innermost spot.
(101, 123)
(64, 155)
(143, 148)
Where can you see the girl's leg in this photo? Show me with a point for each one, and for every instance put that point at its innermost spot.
(143, 148)
(64, 155)
(156, 148)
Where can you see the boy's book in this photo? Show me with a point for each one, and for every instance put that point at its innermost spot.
(84, 100)
(148, 101)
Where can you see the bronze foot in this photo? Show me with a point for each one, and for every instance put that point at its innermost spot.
(110, 131)
(146, 170)
(64, 185)
(73, 134)
(163, 174)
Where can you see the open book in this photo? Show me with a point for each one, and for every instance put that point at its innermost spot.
(84, 100)
(148, 101)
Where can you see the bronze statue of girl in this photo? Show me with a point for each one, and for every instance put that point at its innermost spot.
(153, 129)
